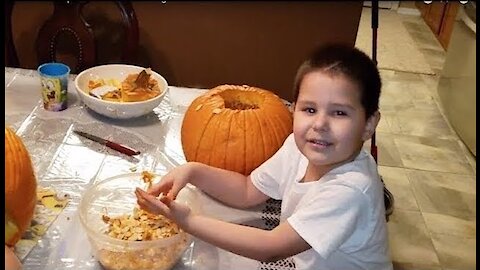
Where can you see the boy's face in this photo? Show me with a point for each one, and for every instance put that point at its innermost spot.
(329, 122)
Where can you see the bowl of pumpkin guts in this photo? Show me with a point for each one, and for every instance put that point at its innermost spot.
(122, 235)
(121, 91)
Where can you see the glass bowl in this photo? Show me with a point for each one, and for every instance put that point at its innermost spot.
(115, 197)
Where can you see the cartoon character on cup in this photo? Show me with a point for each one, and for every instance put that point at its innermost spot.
(53, 94)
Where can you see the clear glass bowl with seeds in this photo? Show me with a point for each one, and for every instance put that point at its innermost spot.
(124, 237)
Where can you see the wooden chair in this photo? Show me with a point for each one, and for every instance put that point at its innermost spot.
(11, 58)
(68, 20)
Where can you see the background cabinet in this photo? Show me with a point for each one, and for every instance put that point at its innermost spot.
(440, 17)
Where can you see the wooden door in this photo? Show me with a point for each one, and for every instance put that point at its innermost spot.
(447, 24)
(440, 17)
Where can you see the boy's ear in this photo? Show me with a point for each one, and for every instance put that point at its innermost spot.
(371, 125)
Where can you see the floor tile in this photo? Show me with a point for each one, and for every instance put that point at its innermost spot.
(455, 252)
(444, 193)
(431, 83)
(401, 76)
(386, 73)
(388, 123)
(388, 154)
(414, 266)
(383, 125)
(399, 94)
(434, 58)
(450, 225)
(432, 154)
(397, 183)
(424, 122)
(410, 242)
(470, 158)
(413, 27)
(425, 41)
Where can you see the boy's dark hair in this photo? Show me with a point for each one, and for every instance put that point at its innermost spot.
(341, 59)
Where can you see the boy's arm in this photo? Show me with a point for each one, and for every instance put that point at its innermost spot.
(263, 245)
(258, 244)
(231, 188)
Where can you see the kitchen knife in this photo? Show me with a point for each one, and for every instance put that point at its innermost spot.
(115, 146)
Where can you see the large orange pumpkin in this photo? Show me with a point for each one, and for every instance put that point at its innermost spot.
(20, 188)
(235, 127)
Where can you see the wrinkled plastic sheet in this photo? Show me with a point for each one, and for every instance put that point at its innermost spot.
(69, 164)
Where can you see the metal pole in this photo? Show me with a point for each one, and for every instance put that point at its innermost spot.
(373, 146)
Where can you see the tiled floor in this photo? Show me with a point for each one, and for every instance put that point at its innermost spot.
(427, 168)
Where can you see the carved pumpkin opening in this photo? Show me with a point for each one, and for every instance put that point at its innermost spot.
(240, 100)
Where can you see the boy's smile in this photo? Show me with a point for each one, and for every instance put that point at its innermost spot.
(319, 143)
(330, 123)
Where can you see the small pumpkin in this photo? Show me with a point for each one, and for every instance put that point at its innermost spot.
(20, 188)
(235, 127)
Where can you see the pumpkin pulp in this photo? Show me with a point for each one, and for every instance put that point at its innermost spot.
(239, 100)
(10, 227)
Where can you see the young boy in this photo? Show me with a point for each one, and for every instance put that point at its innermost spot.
(333, 214)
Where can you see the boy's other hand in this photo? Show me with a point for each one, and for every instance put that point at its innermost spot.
(171, 184)
(164, 206)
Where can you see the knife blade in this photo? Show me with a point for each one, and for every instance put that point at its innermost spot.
(113, 145)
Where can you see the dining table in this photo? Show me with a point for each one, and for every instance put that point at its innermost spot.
(68, 164)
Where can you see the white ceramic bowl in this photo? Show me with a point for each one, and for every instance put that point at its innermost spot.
(116, 196)
(112, 109)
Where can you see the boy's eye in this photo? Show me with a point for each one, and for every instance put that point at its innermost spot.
(339, 113)
(309, 110)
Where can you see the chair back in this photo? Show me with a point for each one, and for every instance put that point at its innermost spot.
(67, 31)
(11, 58)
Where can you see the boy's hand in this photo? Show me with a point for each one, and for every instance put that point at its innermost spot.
(164, 206)
(172, 182)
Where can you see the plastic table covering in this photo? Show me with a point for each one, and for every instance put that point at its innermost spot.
(69, 165)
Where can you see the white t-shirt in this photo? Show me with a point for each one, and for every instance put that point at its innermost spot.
(341, 216)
